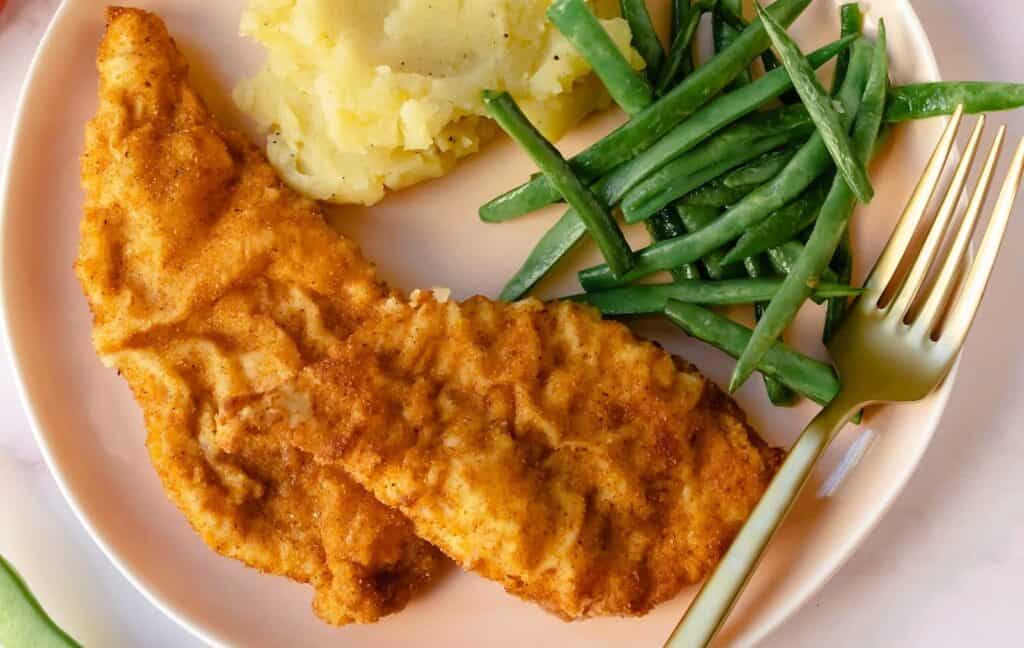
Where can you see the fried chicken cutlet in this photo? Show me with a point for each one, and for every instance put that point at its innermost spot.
(535, 444)
(208, 280)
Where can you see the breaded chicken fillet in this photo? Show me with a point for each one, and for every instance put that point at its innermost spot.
(535, 444)
(208, 280)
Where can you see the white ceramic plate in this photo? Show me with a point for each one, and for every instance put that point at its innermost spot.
(91, 433)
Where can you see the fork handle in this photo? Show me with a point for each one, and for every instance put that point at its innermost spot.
(716, 598)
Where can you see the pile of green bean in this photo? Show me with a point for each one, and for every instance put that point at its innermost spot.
(746, 184)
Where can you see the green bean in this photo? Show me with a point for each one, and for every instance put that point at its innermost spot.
(695, 219)
(779, 127)
(705, 123)
(598, 219)
(783, 258)
(23, 621)
(681, 51)
(664, 225)
(806, 166)
(718, 269)
(783, 225)
(715, 194)
(677, 182)
(829, 228)
(923, 100)
(648, 126)
(851, 21)
(819, 104)
(680, 15)
(815, 380)
(732, 15)
(645, 38)
(778, 394)
(650, 299)
(556, 243)
(569, 229)
(582, 29)
(760, 170)
(722, 35)
(842, 265)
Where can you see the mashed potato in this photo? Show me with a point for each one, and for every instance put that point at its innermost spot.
(366, 95)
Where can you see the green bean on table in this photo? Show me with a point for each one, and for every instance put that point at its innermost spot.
(819, 104)
(645, 38)
(811, 378)
(581, 28)
(648, 126)
(597, 218)
(806, 166)
(650, 299)
(828, 230)
(23, 621)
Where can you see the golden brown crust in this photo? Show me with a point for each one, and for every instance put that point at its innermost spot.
(208, 279)
(537, 445)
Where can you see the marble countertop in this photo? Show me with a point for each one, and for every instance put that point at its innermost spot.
(942, 568)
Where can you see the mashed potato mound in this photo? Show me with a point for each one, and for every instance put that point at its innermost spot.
(366, 95)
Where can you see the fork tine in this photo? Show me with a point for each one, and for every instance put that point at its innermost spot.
(966, 307)
(889, 261)
(929, 316)
(911, 283)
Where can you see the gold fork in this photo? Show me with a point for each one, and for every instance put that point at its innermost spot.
(886, 350)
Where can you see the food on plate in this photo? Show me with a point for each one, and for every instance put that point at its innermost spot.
(535, 444)
(727, 184)
(208, 281)
(367, 96)
(291, 398)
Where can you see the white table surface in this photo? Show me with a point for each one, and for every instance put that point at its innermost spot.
(942, 569)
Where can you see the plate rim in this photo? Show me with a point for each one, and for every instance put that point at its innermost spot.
(773, 619)
(14, 360)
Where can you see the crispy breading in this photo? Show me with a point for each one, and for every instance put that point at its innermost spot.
(208, 279)
(537, 445)
(282, 384)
